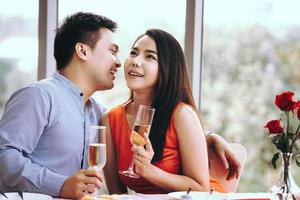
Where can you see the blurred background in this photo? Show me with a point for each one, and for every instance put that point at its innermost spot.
(251, 52)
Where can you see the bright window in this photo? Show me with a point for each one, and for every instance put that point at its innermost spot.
(18, 46)
(251, 52)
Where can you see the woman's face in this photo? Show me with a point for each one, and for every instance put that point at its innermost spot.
(141, 67)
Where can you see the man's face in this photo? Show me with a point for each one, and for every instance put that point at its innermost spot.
(103, 61)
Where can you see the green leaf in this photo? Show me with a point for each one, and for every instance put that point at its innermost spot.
(282, 144)
(274, 159)
(297, 162)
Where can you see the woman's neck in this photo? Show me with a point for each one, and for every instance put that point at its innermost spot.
(142, 98)
(137, 100)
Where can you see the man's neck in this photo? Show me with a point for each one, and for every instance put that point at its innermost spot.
(74, 74)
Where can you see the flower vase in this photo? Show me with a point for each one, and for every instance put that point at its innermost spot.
(286, 188)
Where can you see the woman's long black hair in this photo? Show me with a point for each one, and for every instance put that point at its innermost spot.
(171, 88)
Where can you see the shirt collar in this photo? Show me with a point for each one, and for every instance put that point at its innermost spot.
(68, 83)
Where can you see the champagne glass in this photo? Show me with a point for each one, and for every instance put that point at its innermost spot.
(142, 124)
(97, 148)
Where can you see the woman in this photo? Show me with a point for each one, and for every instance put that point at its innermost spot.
(175, 154)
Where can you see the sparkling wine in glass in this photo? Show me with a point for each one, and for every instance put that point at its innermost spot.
(142, 125)
(97, 155)
(97, 148)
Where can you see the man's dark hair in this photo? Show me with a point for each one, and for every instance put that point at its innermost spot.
(79, 27)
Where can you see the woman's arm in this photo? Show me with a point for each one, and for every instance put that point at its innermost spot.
(193, 152)
(114, 185)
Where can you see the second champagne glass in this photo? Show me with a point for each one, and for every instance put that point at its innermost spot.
(97, 148)
(142, 124)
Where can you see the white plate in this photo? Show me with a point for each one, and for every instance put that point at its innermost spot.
(104, 196)
(251, 196)
(195, 195)
(26, 196)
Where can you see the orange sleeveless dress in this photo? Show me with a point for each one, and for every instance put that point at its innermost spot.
(170, 161)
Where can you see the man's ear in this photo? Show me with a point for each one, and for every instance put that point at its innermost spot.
(81, 50)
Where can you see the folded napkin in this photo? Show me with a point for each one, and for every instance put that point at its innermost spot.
(24, 195)
(3, 194)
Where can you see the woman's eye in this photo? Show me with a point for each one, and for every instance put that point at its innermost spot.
(150, 57)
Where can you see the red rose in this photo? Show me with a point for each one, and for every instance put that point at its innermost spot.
(274, 126)
(298, 110)
(285, 101)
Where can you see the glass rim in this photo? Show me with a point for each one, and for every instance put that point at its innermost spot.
(147, 107)
(97, 127)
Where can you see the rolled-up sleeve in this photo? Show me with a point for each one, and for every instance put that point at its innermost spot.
(23, 122)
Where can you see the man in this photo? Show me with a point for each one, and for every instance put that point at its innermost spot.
(44, 127)
(43, 131)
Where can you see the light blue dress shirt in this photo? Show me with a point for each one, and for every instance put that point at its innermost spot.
(44, 135)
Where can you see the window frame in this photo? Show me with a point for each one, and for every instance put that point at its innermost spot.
(48, 22)
(193, 45)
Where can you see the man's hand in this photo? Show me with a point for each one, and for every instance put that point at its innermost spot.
(216, 144)
(81, 183)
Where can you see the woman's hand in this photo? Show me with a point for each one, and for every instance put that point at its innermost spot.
(217, 145)
(142, 157)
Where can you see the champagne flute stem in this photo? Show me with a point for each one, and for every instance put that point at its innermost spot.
(130, 168)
